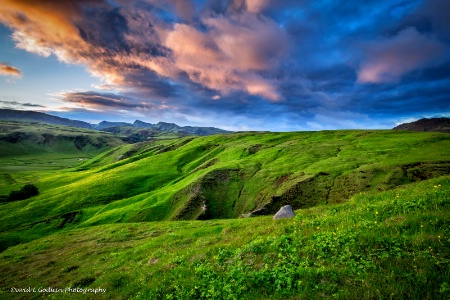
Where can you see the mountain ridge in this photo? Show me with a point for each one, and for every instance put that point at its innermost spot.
(426, 125)
(34, 116)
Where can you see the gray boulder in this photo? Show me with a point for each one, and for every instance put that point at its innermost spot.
(284, 213)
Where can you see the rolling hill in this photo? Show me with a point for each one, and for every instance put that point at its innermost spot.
(191, 213)
(232, 175)
(26, 146)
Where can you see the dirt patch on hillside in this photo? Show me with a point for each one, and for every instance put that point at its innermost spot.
(423, 171)
(211, 197)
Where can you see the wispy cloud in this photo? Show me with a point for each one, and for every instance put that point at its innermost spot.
(8, 70)
(100, 100)
(109, 101)
(16, 104)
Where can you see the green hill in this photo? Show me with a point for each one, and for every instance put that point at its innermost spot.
(365, 183)
(28, 146)
(387, 245)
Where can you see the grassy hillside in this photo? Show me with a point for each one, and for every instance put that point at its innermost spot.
(372, 217)
(22, 138)
(230, 175)
(378, 245)
(132, 134)
(36, 147)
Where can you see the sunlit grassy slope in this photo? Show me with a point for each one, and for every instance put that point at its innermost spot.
(378, 245)
(230, 175)
(372, 219)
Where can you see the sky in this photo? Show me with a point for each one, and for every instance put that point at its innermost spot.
(273, 65)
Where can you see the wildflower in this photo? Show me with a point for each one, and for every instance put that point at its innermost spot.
(439, 236)
(375, 222)
(376, 213)
(421, 225)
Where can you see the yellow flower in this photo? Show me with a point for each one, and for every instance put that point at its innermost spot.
(376, 213)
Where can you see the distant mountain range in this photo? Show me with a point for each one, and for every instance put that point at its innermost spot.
(433, 124)
(33, 116)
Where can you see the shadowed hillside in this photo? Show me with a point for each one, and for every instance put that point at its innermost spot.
(26, 148)
(20, 138)
(433, 124)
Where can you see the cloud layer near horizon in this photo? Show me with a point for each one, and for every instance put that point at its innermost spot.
(249, 59)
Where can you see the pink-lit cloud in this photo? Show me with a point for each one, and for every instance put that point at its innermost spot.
(228, 54)
(8, 70)
(259, 6)
(387, 60)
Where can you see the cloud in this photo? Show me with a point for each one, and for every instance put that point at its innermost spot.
(45, 27)
(8, 70)
(112, 43)
(263, 63)
(100, 101)
(225, 53)
(230, 54)
(252, 6)
(386, 60)
(430, 16)
(16, 104)
(183, 8)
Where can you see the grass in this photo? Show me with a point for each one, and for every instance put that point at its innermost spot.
(394, 244)
(29, 151)
(230, 174)
(372, 217)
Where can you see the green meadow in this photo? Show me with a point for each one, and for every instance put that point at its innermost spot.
(163, 219)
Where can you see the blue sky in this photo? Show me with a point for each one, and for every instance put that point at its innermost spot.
(234, 64)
